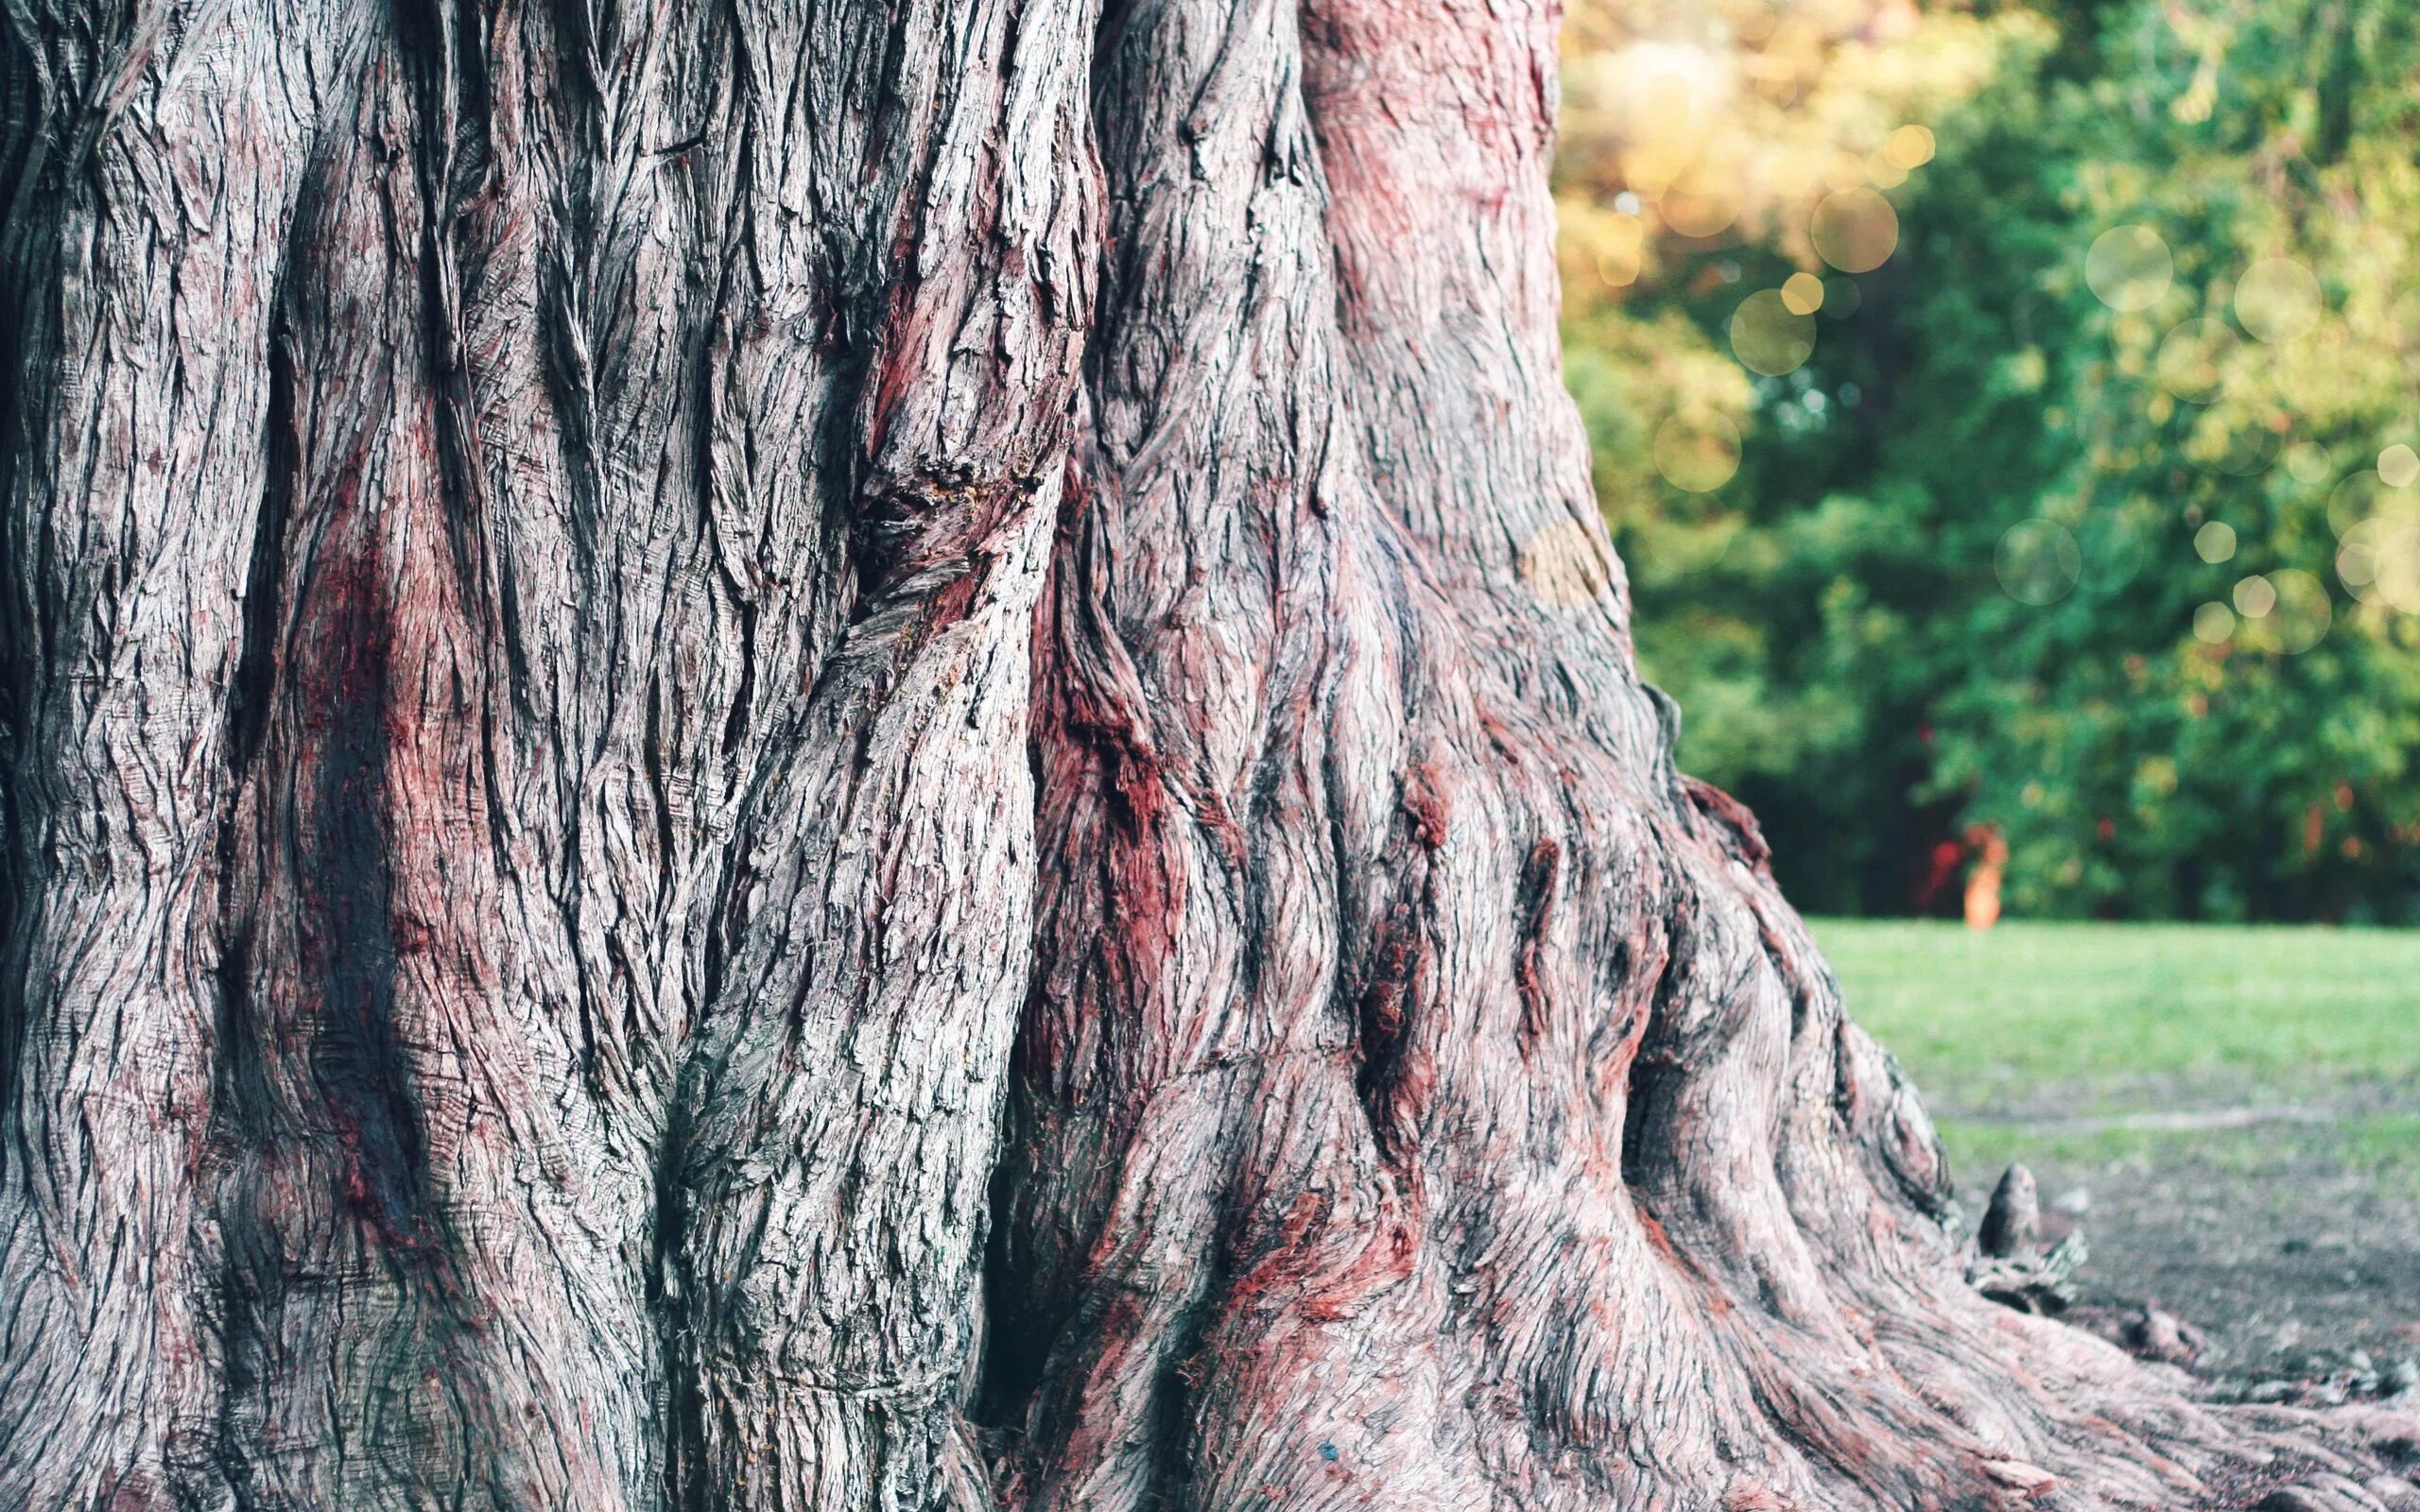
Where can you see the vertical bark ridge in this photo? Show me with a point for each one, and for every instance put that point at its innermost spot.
(842, 1104)
(404, 1239)
(148, 175)
(1426, 1098)
(1242, 1287)
(1188, 1052)
(630, 860)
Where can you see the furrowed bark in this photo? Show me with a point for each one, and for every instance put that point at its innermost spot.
(523, 528)
(1427, 1098)
(604, 605)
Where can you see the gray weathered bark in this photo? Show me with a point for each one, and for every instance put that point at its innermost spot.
(554, 556)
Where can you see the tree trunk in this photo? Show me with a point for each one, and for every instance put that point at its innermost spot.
(817, 753)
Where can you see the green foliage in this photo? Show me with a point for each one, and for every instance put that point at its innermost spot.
(1956, 579)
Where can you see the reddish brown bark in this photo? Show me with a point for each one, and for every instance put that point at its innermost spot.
(604, 605)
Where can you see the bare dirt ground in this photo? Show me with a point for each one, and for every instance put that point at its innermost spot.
(2288, 1232)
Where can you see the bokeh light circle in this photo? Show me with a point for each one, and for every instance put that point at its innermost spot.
(1617, 240)
(2129, 267)
(1854, 230)
(1802, 293)
(2214, 542)
(2398, 466)
(1910, 146)
(2357, 557)
(2378, 562)
(2038, 561)
(1696, 452)
(1663, 106)
(2398, 570)
(2193, 357)
(2302, 611)
(1768, 337)
(2254, 596)
(2361, 496)
(2111, 549)
(2277, 299)
(1702, 202)
(2403, 321)
(2213, 624)
(2309, 462)
(2240, 450)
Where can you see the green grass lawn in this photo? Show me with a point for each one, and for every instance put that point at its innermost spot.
(2072, 1041)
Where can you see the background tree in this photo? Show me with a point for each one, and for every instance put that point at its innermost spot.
(1959, 574)
(555, 557)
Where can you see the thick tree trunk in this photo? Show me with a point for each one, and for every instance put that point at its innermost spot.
(657, 655)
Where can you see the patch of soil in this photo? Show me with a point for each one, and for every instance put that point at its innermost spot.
(2291, 1259)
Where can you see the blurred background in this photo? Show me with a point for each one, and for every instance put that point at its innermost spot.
(2009, 416)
